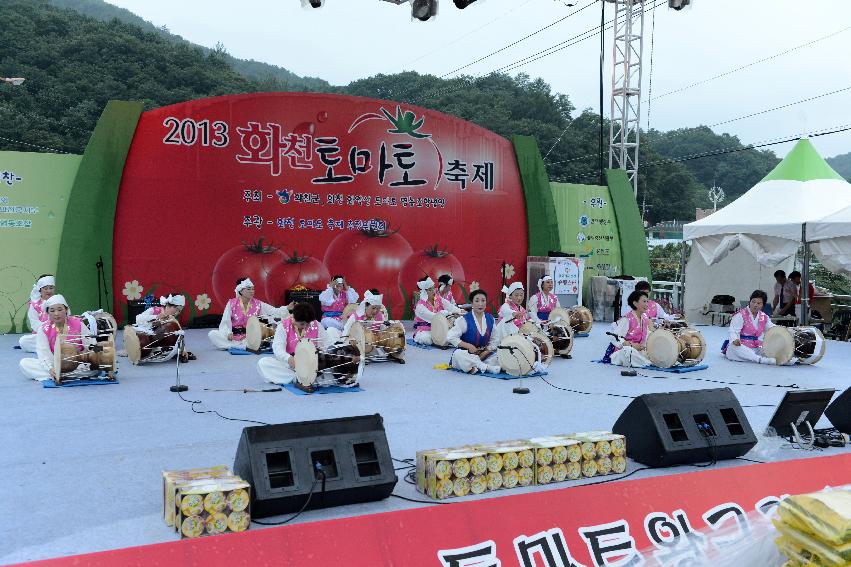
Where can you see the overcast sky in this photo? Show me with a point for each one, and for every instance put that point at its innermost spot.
(351, 39)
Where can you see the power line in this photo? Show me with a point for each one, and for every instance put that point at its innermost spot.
(781, 106)
(33, 145)
(468, 34)
(751, 64)
(522, 39)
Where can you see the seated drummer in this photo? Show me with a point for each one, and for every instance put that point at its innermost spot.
(43, 289)
(475, 338)
(654, 310)
(630, 348)
(512, 315)
(59, 323)
(429, 305)
(541, 304)
(747, 328)
(334, 299)
(280, 368)
(369, 313)
(170, 306)
(231, 331)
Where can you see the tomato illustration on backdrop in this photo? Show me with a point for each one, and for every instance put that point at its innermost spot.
(371, 258)
(253, 260)
(433, 262)
(305, 270)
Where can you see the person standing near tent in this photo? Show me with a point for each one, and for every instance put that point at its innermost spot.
(747, 328)
(795, 278)
(784, 295)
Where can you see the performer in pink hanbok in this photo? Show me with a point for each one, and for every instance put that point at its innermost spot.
(280, 368)
(541, 304)
(427, 307)
(747, 328)
(42, 290)
(512, 314)
(654, 311)
(231, 331)
(60, 322)
(630, 346)
(334, 299)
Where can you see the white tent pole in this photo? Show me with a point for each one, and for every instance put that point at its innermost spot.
(805, 278)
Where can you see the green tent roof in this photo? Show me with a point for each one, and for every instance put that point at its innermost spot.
(803, 163)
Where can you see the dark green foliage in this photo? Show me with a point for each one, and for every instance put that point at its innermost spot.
(842, 165)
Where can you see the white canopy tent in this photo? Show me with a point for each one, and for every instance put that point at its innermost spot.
(831, 238)
(771, 220)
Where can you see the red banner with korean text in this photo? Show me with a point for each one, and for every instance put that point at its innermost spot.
(292, 188)
(599, 525)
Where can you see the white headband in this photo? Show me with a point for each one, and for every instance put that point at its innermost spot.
(340, 280)
(512, 288)
(35, 293)
(443, 285)
(57, 299)
(242, 285)
(177, 300)
(372, 299)
(544, 279)
(428, 283)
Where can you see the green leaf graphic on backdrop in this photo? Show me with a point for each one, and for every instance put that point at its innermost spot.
(409, 312)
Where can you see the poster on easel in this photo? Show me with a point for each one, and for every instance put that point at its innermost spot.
(566, 273)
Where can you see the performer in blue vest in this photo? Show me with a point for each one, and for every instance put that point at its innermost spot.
(475, 339)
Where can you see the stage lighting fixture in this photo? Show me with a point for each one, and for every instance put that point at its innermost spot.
(423, 9)
(461, 4)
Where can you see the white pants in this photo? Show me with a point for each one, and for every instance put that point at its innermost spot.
(274, 371)
(464, 361)
(423, 337)
(331, 323)
(746, 354)
(27, 342)
(630, 357)
(32, 368)
(220, 340)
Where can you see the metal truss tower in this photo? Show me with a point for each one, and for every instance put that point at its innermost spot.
(625, 113)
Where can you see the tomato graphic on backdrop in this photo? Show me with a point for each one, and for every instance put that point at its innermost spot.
(432, 262)
(305, 270)
(371, 258)
(253, 260)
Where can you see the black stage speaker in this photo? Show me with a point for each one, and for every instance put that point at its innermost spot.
(839, 412)
(685, 427)
(285, 462)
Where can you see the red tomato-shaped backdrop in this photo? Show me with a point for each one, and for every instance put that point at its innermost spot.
(233, 186)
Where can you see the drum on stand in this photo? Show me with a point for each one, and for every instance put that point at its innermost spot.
(258, 334)
(581, 319)
(440, 325)
(101, 324)
(668, 347)
(517, 355)
(67, 359)
(156, 343)
(561, 336)
(805, 343)
(338, 361)
(387, 335)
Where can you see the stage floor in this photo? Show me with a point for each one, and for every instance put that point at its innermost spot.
(83, 464)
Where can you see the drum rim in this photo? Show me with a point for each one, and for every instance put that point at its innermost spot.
(306, 368)
(439, 323)
(507, 368)
(662, 332)
(132, 340)
(253, 333)
(788, 344)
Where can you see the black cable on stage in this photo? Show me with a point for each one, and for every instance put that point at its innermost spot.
(297, 514)
(587, 393)
(679, 377)
(751, 460)
(419, 501)
(195, 402)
